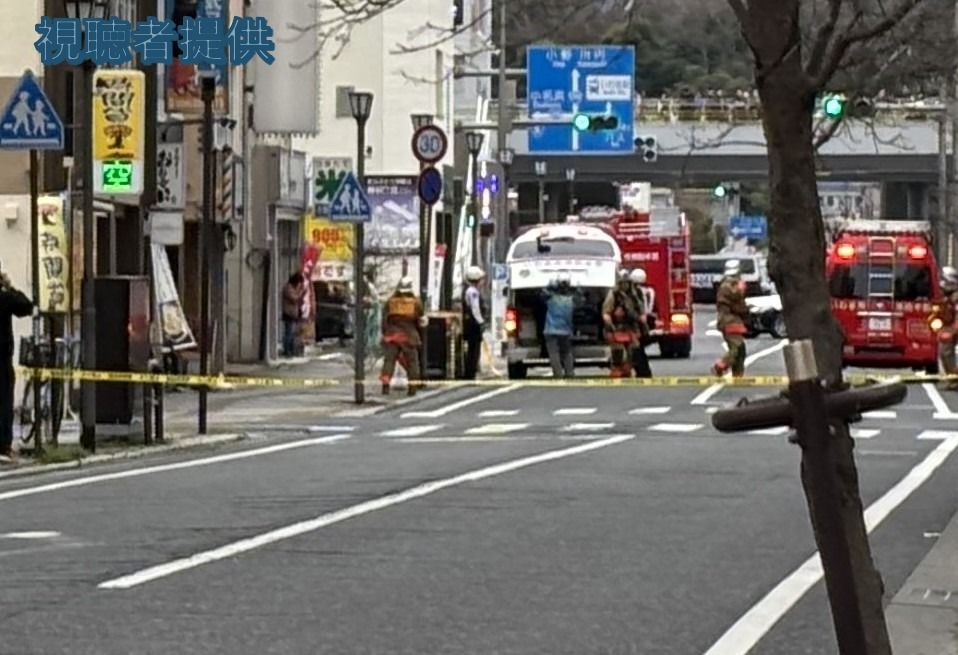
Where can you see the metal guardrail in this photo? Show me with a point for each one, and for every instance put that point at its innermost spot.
(744, 110)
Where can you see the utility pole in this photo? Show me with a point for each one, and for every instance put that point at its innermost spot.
(501, 225)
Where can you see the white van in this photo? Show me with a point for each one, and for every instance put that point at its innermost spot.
(707, 270)
(591, 257)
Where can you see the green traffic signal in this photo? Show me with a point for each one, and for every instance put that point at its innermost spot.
(581, 122)
(720, 191)
(833, 106)
(587, 123)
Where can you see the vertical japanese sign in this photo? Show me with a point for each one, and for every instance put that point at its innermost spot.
(328, 174)
(173, 324)
(334, 242)
(182, 82)
(119, 109)
(170, 178)
(53, 256)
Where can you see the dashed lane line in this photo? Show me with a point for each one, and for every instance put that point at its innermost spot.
(575, 411)
(498, 413)
(644, 411)
(676, 427)
(881, 414)
(360, 509)
(497, 428)
(442, 411)
(587, 427)
(864, 433)
(411, 431)
(771, 432)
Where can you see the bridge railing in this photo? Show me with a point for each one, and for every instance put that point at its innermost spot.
(747, 109)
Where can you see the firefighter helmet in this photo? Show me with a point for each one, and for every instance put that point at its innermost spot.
(405, 285)
(733, 268)
(474, 274)
(638, 276)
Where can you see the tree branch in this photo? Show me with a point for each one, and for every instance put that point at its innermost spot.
(824, 37)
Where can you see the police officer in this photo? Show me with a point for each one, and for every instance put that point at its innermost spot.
(732, 314)
(12, 303)
(645, 297)
(473, 320)
(948, 334)
(403, 316)
(621, 313)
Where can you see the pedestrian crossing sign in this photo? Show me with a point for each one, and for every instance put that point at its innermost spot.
(350, 202)
(29, 121)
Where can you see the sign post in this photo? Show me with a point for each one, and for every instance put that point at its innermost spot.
(30, 122)
(119, 108)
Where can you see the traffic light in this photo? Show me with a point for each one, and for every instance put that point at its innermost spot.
(649, 147)
(470, 220)
(596, 123)
(833, 106)
(720, 191)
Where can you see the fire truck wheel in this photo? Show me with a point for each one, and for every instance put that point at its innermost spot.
(517, 371)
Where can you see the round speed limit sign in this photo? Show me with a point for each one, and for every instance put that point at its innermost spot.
(429, 144)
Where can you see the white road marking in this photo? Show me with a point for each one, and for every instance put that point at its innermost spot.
(706, 395)
(881, 414)
(316, 429)
(587, 427)
(711, 410)
(575, 411)
(864, 433)
(676, 427)
(497, 428)
(38, 534)
(498, 413)
(772, 432)
(411, 431)
(650, 410)
(176, 466)
(942, 410)
(436, 413)
(889, 453)
(447, 439)
(757, 621)
(324, 520)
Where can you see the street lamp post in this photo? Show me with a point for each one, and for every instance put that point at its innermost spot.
(474, 145)
(208, 86)
(360, 105)
(570, 177)
(506, 157)
(85, 9)
(541, 169)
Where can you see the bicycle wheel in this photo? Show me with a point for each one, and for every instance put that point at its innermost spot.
(28, 427)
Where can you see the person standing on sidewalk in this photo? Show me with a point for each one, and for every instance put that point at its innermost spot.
(293, 294)
(403, 316)
(12, 303)
(473, 320)
(560, 308)
(732, 314)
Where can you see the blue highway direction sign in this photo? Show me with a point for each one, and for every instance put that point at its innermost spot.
(595, 81)
(748, 227)
(29, 121)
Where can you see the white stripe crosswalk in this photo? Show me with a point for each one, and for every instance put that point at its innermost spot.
(497, 428)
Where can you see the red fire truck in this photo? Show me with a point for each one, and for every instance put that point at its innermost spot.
(883, 280)
(658, 242)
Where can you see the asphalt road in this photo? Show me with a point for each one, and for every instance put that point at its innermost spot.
(490, 520)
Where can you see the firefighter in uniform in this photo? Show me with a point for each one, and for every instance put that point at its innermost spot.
(403, 316)
(645, 296)
(948, 313)
(732, 314)
(622, 314)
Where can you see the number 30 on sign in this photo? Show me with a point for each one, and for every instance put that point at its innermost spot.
(429, 144)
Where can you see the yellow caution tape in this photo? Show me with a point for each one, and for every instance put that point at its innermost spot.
(233, 381)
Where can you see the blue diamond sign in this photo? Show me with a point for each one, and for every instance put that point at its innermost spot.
(29, 121)
(582, 84)
(350, 203)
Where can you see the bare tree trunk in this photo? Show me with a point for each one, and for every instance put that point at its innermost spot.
(797, 265)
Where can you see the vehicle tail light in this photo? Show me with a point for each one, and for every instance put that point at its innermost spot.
(681, 320)
(918, 252)
(936, 324)
(845, 251)
(512, 321)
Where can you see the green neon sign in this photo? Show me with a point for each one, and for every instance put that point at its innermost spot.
(118, 176)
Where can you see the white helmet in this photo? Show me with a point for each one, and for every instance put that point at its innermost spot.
(405, 285)
(949, 275)
(474, 274)
(638, 276)
(733, 267)
(623, 275)
(563, 279)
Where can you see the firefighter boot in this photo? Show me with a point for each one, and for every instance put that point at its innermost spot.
(719, 368)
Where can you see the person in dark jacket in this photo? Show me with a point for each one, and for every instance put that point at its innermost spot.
(12, 303)
(293, 294)
(473, 321)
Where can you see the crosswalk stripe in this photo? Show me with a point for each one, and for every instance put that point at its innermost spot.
(650, 410)
(676, 427)
(782, 429)
(411, 431)
(497, 428)
(493, 413)
(881, 413)
(860, 433)
(575, 411)
(586, 427)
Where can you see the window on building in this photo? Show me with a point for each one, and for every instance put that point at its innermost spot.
(342, 101)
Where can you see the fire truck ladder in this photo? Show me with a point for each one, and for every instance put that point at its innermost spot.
(881, 283)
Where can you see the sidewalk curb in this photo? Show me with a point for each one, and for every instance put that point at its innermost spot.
(186, 443)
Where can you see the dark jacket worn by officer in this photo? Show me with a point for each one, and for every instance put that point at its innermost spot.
(12, 303)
